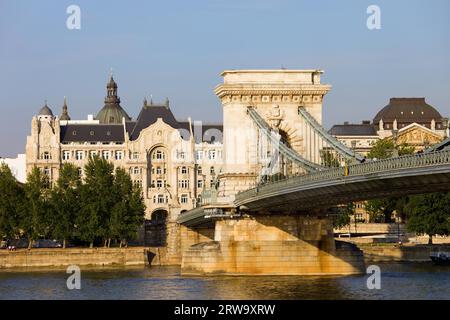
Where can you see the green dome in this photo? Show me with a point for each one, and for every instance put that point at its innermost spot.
(112, 113)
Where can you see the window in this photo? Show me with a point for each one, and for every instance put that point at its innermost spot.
(158, 155)
(181, 155)
(199, 170)
(80, 172)
(160, 198)
(79, 155)
(184, 198)
(92, 154)
(135, 155)
(211, 183)
(159, 183)
(137, 183)
(47, 171)
(136, 170)
(158, 170)
(212, 171)
(119, 155)
(66, 155)
(183, 184)
(105, 155)
(184, 170)
(212, 154)
(199, 183)
(46, 156)
(199, 155)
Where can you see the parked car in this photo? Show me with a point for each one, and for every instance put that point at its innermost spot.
(3, 244)
(47, 243)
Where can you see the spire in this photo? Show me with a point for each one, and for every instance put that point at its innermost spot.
(145, 102)
(167, 103)
(65, 113)
(112, 112)
(111, 89)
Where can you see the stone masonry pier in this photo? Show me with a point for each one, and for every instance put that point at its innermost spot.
(266, 245)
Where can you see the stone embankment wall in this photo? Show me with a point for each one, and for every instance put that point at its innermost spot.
(131, 256)
(405, 253)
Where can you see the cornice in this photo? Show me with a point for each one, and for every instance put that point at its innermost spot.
(254, 90)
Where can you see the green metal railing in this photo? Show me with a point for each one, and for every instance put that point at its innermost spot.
(366, 168)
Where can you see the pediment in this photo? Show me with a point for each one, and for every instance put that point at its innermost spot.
(417, 135)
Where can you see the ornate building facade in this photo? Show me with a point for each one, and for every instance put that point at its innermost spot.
(173, 161)
(410, 121)
(405, 120)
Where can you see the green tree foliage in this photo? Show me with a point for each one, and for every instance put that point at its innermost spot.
(97, 200)
(35, 219)
(127, 215)
(66, 202)
(105, 206)
(430, 214)
(384, 149)
(11, 203)
(344, 213)
(329, 159)
(380, 210)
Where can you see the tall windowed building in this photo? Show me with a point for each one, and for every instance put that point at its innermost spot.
(163, 155)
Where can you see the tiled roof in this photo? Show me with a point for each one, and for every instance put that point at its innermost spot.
(92, 133)
(353, 130)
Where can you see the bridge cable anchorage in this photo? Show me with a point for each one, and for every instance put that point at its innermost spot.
(284, 149)
(333, 142)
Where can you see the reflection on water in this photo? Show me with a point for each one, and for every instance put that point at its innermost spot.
(398, 281)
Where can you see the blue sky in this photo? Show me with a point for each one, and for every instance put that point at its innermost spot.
(178, 49)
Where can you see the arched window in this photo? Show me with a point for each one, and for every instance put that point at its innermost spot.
(159, 155)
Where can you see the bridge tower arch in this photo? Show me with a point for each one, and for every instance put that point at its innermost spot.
(276, 96)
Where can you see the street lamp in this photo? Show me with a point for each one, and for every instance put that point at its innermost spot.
(394, 138)
(445, 125)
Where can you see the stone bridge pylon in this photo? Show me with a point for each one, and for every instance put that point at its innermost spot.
(261, 112)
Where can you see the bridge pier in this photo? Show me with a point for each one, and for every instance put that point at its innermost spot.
(273, 244)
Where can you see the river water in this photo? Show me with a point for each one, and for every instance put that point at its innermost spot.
(398, 281)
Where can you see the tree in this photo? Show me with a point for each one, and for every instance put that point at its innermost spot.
(329, 159)
(384, 149)
(11, 203)
(430, 214)
(34, 220)
(97, 200)
(65, 201)
(343, 215)
(380, 210)
(128, 212)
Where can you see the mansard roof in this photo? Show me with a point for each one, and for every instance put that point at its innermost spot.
(363, 129)
(149, 114)
(92, 133)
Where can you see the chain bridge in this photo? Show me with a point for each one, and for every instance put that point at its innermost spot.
(267, 213)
